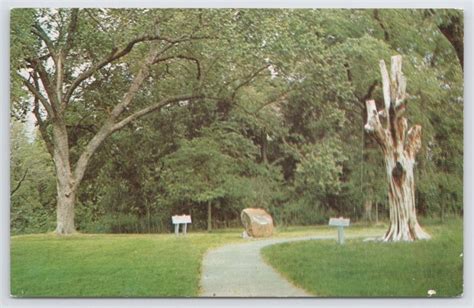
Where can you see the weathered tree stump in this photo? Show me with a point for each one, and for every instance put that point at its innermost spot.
(399, 148)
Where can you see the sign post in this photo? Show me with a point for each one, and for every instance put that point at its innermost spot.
(181, 220)
(340, 223)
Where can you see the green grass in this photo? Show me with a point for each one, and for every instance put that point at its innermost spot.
(109, 265)
(93, 265)
(359, 268)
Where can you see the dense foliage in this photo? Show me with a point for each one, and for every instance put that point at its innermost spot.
(280, 127)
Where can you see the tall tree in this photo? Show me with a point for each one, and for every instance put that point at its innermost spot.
(79, 53)
(55, 82)
(399, 148)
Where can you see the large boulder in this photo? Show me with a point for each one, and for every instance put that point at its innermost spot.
(257, 222)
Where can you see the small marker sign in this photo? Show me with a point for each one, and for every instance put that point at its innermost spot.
(340, 223)
(181, 220)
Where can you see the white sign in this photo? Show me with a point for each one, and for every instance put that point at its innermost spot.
(181, 219)
(339, 222)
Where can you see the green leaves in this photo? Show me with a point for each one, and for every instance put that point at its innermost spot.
(320, 170)
(281, 125)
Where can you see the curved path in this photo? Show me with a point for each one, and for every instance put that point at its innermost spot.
(238, 270)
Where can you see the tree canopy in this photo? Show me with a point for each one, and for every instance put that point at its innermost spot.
(145, 113)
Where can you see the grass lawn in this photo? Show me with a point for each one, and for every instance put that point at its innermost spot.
(93, 265)
(359, 268)
(109, 265)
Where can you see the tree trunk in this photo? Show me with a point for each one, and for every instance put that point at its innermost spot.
(442, 212)
(401, 197)
(263, 146)
(66, 190)
(209, 216)
(376, 213)
(368, 210)
(399, 149)
(65, 211)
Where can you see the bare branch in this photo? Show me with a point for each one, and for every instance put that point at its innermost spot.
(402, 128)
(386, 87)
(413, 144)
(373, 125)
(398, 82)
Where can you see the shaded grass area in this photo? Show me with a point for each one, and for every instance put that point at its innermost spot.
(360, 268)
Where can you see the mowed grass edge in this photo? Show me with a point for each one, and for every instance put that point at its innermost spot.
(365, 269)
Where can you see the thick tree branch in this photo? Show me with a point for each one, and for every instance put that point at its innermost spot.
(107, 127)
(142, 74)
(46, 81)
(72, 28)
(42, 125)
(379, 20)
(386, 88)
(367, 96)
(154, 107)
(38, 31)
(119, 53)
(398, 84)
(394, 97)
(373, 125)
(37, 94)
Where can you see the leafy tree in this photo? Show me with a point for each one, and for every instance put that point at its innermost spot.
(79, 51)
(278, 98)
(32, 186)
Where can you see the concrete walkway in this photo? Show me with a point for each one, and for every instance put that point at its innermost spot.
(238, 270)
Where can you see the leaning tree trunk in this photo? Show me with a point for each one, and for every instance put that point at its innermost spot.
(399, 148)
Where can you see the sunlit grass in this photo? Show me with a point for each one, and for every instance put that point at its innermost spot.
(110, 265)
(360, 268)
(119, 265)
(157, 265)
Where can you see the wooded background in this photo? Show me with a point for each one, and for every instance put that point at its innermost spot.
(277, 122)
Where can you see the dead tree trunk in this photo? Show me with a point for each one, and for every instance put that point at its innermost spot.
(399, 148)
